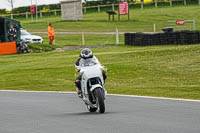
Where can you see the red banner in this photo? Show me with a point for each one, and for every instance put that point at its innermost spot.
(180, 22)
(32, 9)
(123, 8)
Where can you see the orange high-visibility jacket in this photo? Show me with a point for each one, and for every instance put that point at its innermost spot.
(51, 31)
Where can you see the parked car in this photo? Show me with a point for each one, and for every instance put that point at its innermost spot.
(28, 38)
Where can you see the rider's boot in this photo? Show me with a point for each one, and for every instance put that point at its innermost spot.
(79, 92)
(78, 89)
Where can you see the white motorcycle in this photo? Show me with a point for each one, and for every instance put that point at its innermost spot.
(92, 86)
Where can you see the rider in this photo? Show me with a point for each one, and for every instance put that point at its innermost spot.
(86, 56)
(12, 33)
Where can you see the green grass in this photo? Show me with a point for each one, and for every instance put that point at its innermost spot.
(74, 40)
(67, 40)
(141, 20)
(167, 71)
(38, 48)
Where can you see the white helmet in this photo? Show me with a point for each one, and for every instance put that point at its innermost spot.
(86, 53)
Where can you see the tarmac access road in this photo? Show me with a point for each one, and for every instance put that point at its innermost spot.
(52, 112)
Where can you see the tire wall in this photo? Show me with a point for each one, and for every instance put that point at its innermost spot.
(146, 39)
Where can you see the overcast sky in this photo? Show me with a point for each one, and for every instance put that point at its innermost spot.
(18, 3)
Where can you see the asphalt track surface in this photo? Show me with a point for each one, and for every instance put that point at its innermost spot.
(34, 112)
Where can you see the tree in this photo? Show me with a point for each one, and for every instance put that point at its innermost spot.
(2, 11)
(11, 3)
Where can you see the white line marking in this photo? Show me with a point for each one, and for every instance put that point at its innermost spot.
(159, 98)
(64, 92)
(119, 95)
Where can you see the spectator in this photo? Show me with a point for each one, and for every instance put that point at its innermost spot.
(51, 33)
(18, 26)
(12, 34)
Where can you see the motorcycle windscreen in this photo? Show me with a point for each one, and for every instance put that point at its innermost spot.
(87, 62)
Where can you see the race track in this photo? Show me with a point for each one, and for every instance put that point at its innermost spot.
(49, 112)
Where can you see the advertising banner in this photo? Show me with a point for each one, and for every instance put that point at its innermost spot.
(32, 9)
(123, 8)
(180, 22)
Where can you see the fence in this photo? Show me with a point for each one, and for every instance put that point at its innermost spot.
(188, 25)
(99, 8)
(108, 37)
(142, 4)
(28, 14)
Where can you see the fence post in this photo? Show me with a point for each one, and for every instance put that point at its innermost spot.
(185, 2)
(55, 12)
(40, 14)
(170, 2)
(84, 9)
(142, 5)
(154, 28)
(99, 8)
(199, 2)
(83, 39)
(11, 16)
(26, 15)
(117, 37)
(113, 7)
(194, 25)
(156, 3)
(31, 17)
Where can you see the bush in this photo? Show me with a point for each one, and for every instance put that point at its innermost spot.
(40, 7)
(37, 48)
(2, 11)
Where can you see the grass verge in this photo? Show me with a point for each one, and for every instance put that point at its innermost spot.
(167, 71)
(74, 40)
(140, 20)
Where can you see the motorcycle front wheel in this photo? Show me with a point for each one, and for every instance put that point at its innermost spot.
(100, 100)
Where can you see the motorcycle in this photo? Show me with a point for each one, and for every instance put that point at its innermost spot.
(92, 86)
(22, 46)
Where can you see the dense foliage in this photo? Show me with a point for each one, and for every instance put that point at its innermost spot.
(40, 7)
(2, 11)
(86, 3)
